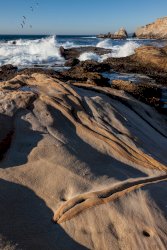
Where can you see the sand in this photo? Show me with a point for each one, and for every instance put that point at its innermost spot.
(82, 167)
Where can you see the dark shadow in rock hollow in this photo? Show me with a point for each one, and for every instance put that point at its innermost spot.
(18, 141)
(25, 221)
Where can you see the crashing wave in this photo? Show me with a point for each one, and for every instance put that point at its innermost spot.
(118, 51)
(89, 56)
(28, 52)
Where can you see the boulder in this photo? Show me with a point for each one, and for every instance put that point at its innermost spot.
(155, 30)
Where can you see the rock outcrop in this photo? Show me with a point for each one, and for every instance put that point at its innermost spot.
(156, 30)
(92, 158)
(147, 60)
(120, 34)
(146, 92)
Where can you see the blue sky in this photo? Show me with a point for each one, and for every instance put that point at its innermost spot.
(78, 16)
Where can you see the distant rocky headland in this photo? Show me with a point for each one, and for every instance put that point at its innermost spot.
(120, 34)
(155, 30)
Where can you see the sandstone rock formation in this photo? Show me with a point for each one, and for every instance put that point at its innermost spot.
(156, 30)
(92, 158)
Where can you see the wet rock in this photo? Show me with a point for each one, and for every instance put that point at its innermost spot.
(62, 51)
(92, 66)
(71, 62)
(83, 74)
(73, 53)
(7, 72)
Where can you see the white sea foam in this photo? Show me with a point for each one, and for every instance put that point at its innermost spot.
(28, 52)
(125, 50)
(68, 45)
(106, 44)
(89, 56)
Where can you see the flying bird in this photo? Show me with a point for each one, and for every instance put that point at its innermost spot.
(31, 8)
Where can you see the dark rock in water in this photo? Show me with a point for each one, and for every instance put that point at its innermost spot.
(72, 62)
(62, 51)
(82, 74)
(73, 53)
(14, 42)
(7, 72)
(120, 34)
(92, 66)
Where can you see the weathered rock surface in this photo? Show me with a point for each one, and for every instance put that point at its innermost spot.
(156, 30)
(92, 158)
(120, 34)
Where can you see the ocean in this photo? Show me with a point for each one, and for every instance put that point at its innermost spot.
(29, 50)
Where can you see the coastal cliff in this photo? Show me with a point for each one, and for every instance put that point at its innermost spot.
(155, 30)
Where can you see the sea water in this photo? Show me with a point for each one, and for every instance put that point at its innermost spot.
(25, 51)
